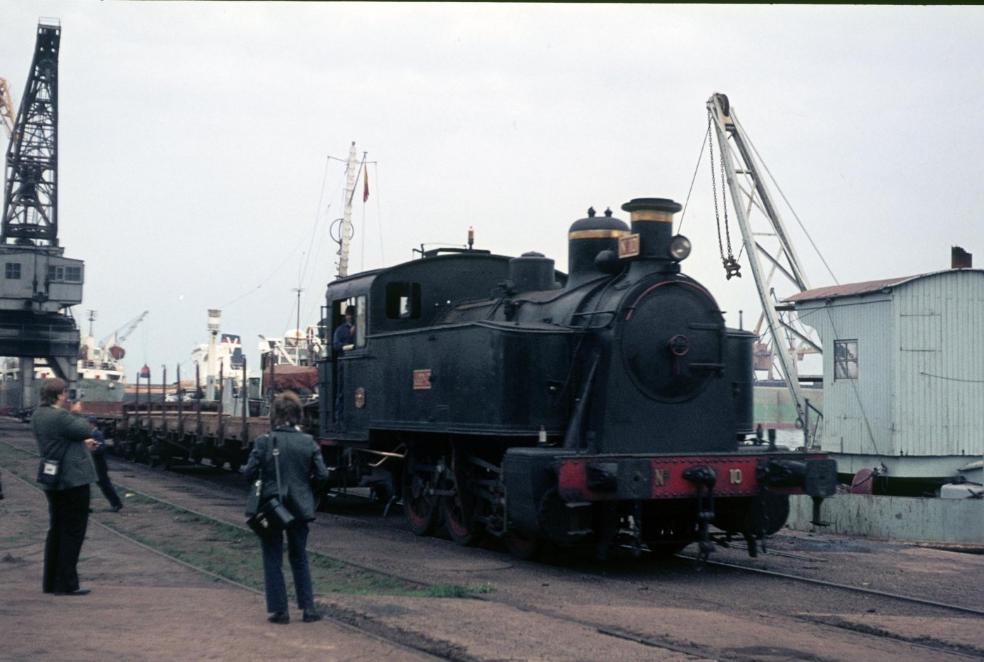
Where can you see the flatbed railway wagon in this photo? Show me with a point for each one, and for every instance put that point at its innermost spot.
(167, 433)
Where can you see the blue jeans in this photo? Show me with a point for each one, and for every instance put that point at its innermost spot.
(273, 576)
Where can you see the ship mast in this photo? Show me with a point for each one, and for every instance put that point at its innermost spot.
(347, 231)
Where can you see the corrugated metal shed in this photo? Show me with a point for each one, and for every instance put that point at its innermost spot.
(847, 290)
(866, 287)
(919, 383)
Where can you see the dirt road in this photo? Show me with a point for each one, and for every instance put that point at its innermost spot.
(624, 610)
(142, 606)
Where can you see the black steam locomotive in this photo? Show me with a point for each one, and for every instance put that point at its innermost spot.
(606, 406)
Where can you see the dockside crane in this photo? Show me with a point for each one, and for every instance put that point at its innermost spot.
(121, 334)
(39, 285)
(768, 248)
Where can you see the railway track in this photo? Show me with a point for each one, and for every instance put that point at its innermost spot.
(398, 641)
(772, 573)
(207, 488)
(695, 651)
(844, 587)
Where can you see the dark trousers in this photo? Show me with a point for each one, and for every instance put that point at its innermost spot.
(105, 484)
(273, 576)
(68, 516)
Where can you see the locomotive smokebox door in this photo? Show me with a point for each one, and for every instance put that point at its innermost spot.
(671, 340)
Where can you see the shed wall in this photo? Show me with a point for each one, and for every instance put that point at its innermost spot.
(959, 521)
(940, 374)
(857, 412)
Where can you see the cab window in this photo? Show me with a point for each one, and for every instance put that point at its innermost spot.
(403, 300)
(359, 302)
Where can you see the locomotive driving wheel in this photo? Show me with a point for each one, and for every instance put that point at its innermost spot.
(459, 507)
(419, 505)
(776, 511)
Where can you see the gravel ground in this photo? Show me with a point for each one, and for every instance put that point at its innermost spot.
(142, 606)
(571, 609)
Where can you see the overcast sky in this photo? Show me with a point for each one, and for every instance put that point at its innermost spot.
(194, 139)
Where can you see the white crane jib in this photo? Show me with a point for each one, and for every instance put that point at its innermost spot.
(789, 338)
(6, 107)
(131, 326)
(122, 333)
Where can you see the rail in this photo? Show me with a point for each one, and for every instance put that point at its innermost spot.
(845, 587)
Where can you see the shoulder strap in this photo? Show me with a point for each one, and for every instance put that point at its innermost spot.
(259, 468)
(276, 465)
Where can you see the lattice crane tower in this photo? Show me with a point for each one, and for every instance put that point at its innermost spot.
(38, 284)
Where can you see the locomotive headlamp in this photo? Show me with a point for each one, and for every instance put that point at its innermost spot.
(679, 247)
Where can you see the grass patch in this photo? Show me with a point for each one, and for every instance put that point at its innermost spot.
(235, 553)
(455, 590)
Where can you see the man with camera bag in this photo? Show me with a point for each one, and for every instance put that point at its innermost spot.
(66, 470)
(284, 463)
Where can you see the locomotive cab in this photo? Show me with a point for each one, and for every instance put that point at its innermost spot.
(345, 362)
(365, 385)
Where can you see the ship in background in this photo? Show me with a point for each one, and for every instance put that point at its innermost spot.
(290, 362)
(221, 376)
(100, 368)
(229, 358)
(102, 374)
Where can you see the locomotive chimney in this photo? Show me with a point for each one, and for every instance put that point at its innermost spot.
(587, 238)
(652, 220)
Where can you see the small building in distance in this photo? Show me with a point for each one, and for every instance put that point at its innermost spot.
(903, 373)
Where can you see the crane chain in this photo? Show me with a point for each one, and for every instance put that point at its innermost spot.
(714, 193)
(731, 266)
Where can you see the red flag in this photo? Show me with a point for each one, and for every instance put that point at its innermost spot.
(365, 184)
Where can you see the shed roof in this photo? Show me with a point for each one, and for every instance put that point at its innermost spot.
(866, 287)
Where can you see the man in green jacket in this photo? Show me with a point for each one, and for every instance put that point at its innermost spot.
(67, 438)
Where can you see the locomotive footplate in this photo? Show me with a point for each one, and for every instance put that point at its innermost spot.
(583, 478)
